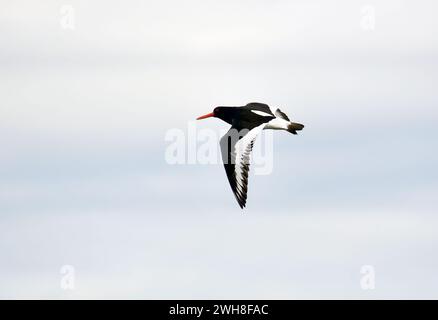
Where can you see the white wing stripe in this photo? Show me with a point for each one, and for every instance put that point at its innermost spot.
(261, 113)
(243, 155)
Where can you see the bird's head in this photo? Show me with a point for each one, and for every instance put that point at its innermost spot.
(224, 113)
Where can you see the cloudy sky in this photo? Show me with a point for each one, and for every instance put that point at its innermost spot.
(89, 90)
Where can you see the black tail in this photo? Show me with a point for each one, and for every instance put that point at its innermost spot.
(294, 127)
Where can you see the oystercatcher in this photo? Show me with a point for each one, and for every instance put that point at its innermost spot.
(236, 145)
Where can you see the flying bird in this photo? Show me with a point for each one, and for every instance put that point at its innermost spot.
(236, 145)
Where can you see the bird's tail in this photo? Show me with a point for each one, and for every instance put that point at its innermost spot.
(293, 127)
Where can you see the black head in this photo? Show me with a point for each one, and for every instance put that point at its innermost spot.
(224, 113)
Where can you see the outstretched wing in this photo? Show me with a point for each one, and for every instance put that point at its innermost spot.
(259, 107)
(236, 147)
(281, 114)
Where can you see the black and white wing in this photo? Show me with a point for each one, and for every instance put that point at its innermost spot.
(260, 108)
(236, 147)
(282, 115)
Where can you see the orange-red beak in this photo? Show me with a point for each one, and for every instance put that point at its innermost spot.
(206, 116)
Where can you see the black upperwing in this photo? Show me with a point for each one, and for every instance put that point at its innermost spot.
(259, 107)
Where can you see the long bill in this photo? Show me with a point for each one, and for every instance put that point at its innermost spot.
(209, 115)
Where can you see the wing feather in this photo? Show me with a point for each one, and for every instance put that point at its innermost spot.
(259, 107)
(281, 114)
(236, 147)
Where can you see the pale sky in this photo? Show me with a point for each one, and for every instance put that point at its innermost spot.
(84, 182)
